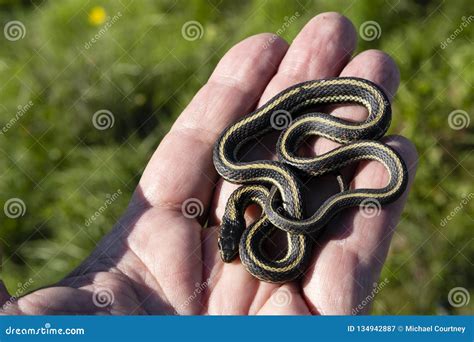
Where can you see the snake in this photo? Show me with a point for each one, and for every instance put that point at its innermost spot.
(276, 186)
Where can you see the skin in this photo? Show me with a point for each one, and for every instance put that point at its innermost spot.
(153, 258)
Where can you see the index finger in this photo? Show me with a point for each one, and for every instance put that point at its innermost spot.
(181, 167)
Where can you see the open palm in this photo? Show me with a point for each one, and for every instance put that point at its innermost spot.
(159, 260)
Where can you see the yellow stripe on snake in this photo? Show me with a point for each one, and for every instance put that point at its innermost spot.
(276, 185)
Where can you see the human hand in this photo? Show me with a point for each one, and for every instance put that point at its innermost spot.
(159, 260)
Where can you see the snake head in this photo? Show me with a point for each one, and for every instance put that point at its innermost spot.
(228, 248)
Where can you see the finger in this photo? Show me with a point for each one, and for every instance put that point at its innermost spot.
(321, 49)
(375, 66)
(372, 65)
(356, 244)
(379, 68)
(181, 167)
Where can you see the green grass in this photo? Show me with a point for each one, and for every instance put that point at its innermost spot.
(144, 72)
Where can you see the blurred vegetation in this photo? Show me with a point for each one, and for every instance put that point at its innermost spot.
(144, 72)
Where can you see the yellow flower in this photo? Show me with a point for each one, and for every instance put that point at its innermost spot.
(97, 15)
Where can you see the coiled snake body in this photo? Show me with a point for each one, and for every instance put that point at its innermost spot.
(268, 183)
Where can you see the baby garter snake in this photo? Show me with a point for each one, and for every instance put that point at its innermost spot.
(268, 183)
